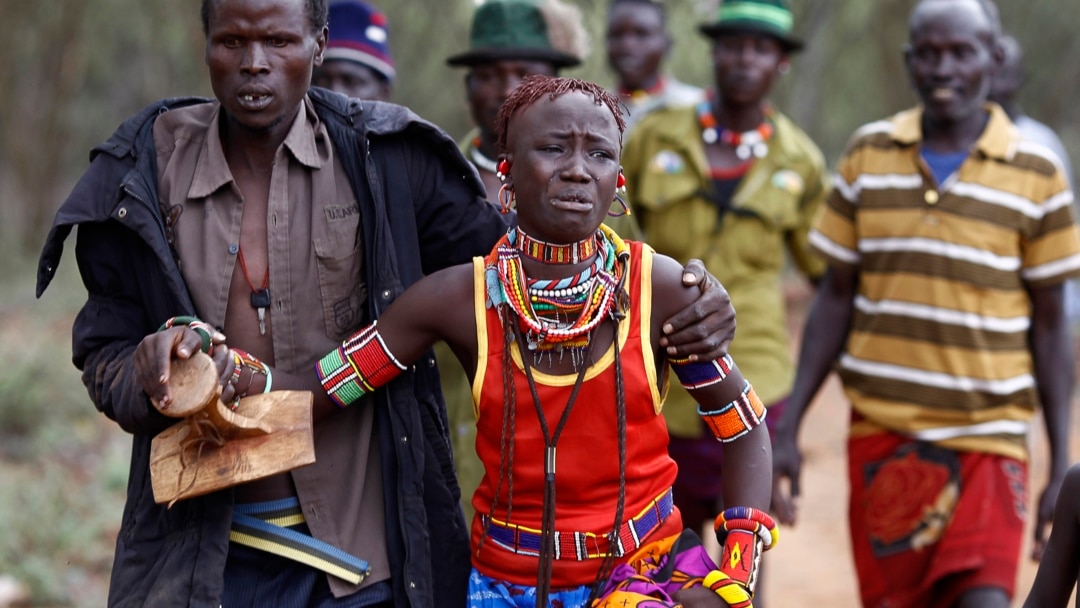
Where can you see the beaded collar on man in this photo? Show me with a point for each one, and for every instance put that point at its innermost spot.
(639, 95)
(480, 159)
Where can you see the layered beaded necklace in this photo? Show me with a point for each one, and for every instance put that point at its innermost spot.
(557, 316)
(747, 143)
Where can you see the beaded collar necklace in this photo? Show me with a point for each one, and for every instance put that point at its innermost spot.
(747, 143)
(477, 157)
(551, 253)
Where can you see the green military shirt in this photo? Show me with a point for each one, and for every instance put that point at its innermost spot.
(668, 183)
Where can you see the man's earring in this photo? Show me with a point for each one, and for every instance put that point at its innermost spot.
(506, 197)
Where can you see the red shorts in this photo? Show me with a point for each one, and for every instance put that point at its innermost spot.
(928, 524)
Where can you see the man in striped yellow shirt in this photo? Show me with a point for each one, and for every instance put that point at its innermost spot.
(949, 239)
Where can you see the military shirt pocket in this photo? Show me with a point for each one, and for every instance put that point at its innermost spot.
(668, 178)
(774, 198)
(342, 290)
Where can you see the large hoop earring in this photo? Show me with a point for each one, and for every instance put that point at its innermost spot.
(625, 208)
(506, 198)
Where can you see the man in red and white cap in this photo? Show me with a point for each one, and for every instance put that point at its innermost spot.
(357, 61)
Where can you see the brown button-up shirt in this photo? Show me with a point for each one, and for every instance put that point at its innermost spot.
(317, 289)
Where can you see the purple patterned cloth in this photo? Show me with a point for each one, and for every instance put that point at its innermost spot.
(652, 577)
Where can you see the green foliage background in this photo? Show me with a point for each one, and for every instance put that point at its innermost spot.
(74, 69)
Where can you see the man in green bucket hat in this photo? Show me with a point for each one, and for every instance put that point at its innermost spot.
(509, 40)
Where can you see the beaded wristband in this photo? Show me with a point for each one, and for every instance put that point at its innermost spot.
(744, 533)
(751, 520)
(748, 526)
(204, 329)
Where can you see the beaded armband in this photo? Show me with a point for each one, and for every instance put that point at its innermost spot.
(744, 533)
(736, 418)
(362, 364)
(699, 374)
(204, 329)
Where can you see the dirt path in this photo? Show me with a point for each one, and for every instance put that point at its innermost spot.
(808, 569)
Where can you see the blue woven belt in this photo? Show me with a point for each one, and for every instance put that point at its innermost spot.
(584, 545)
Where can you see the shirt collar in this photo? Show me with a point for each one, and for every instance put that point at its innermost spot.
(212, 170)
(996, 140)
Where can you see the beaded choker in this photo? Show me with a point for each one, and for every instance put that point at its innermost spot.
(747, 143)
(477, 157)
(637, 95)
(550, 253)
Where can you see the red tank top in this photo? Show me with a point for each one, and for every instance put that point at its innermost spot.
(587, 460)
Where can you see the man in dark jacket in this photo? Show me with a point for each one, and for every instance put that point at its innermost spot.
(285, 219)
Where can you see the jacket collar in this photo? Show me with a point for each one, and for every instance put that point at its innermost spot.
(212, 170)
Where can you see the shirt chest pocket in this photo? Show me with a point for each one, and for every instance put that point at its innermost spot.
(772, 198)
(342, 290)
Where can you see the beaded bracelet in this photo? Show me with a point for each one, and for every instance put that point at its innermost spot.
(242, 359)
(730, 590)
(205, 330)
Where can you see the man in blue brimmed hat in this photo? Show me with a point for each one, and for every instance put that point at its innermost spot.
(732, 181)
(357, 60)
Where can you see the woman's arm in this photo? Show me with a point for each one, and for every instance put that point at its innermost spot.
(720, 390)
(1058, 569)
(438, 307)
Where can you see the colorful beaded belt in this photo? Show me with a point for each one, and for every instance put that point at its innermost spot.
(266, 526)
(584, 545)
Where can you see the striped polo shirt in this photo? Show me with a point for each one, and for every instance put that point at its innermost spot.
(938, 346)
